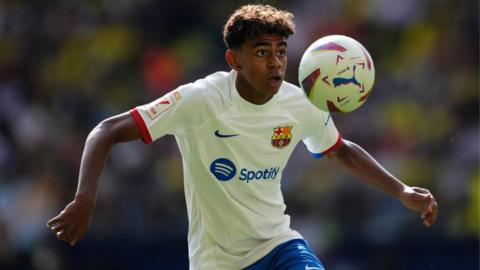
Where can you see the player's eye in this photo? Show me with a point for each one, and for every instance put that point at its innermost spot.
(261, 53)
(282, 53)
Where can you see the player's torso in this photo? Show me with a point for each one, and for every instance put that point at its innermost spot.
(247, 146)
(236, 155)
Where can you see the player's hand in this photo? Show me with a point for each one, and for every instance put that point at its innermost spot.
(73, 222)
(421, 200)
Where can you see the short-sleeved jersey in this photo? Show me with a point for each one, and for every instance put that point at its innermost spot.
(234, 153)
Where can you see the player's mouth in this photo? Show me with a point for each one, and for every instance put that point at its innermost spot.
(275, 80)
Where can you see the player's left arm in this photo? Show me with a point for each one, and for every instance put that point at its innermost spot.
(357, 161)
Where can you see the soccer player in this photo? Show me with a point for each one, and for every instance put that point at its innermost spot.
(236, 131)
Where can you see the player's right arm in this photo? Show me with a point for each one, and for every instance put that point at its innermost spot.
(72, 223)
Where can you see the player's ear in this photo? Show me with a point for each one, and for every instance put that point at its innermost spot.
(232, 59)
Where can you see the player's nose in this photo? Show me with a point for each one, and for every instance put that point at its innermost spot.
(275, 62)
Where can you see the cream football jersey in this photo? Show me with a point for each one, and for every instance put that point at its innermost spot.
(234, 153)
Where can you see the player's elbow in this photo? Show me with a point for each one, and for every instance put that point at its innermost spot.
(104, 131)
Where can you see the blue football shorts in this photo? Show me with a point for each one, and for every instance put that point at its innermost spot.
(292, 255)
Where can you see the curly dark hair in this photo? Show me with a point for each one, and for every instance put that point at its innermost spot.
(250, 20)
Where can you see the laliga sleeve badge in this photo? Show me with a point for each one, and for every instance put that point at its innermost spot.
(159, 106)
(281, 136)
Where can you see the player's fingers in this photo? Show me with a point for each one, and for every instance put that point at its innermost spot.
(52, 222)
(64, 235)
(56, 219)
(429, 220)
(58, 227)
(68, 235)
(77, 234)
(73, 241)
(426, 223)
(435, 212)
(432, 216)
(417, 201)
(427, 205)
(431, 204)
(72, 238)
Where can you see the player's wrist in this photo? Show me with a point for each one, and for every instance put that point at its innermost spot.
(400, 190)
(85, 199)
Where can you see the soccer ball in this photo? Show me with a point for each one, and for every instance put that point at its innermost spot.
(337, 74)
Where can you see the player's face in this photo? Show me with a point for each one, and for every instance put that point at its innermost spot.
(262, 62)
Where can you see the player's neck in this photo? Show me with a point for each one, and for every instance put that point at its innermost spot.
(248, 92)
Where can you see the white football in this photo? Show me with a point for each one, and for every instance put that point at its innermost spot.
(337, 73)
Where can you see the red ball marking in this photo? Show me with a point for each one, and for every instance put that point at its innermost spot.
(332, 107)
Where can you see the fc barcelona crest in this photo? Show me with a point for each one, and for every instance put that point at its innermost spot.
(281, 136)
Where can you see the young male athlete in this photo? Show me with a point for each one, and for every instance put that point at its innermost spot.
(236, 131)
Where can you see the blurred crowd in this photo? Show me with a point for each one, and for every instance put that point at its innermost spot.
(66, 65)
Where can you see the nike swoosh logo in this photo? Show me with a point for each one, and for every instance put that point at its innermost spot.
(218, 134)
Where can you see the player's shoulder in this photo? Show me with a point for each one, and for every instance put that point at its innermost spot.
(219, 80)
(210, 87)
(205, 96)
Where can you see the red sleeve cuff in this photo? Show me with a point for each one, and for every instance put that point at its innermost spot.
(141, 126)
(331, 149)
